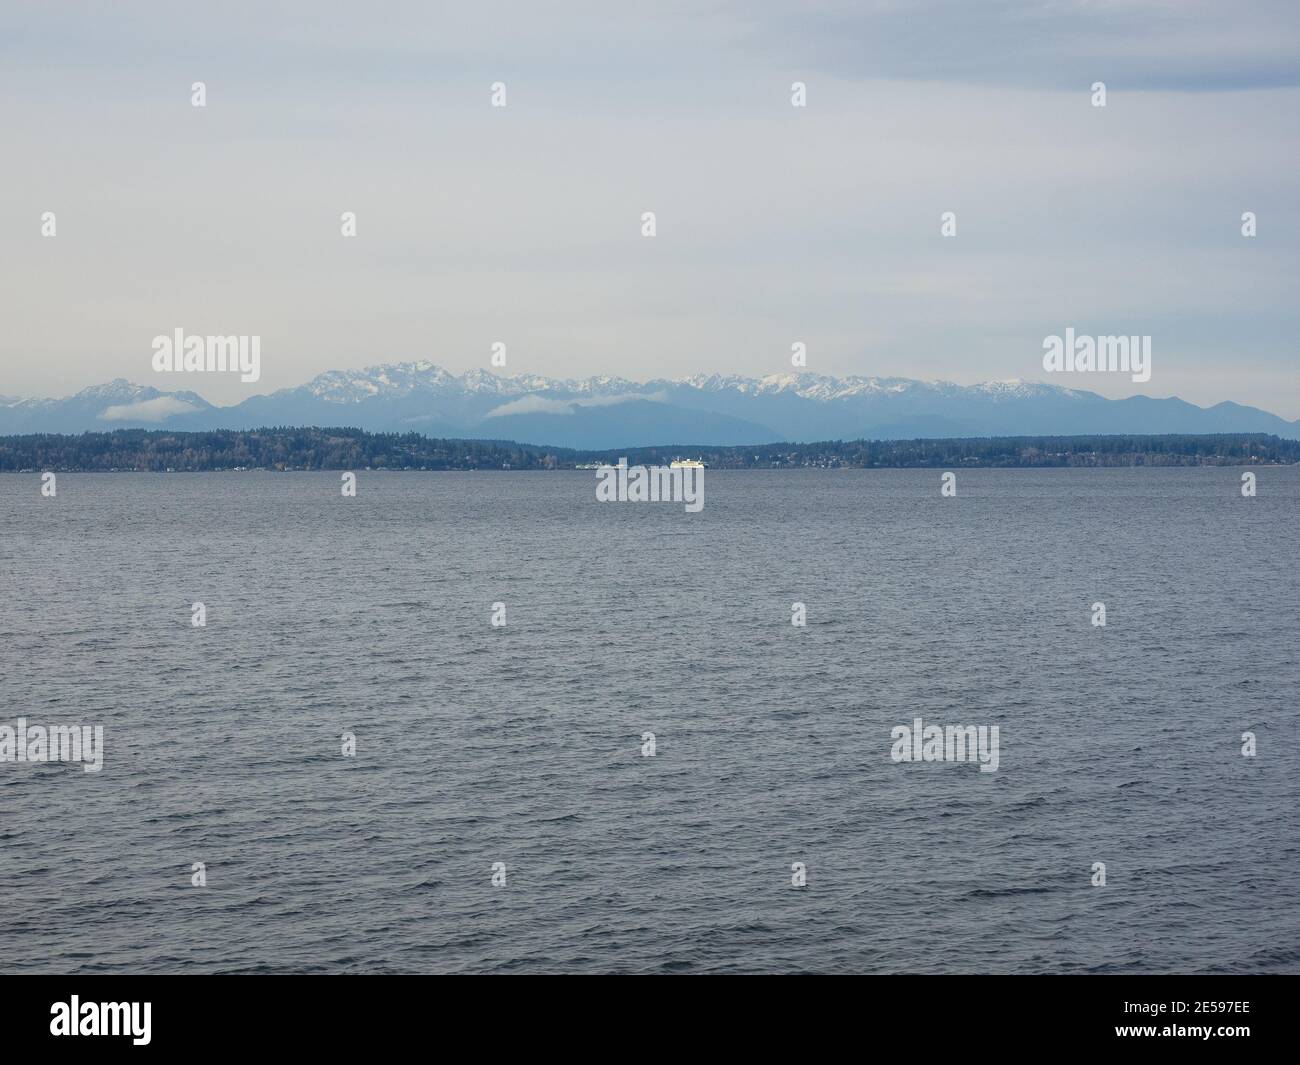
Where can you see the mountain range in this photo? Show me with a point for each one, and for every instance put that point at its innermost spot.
(612, 412)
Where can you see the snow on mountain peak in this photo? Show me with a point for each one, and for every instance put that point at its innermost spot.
(387, 379)
(117, 389)
(1017, 388)
(405, 378)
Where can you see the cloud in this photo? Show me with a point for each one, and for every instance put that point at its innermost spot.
(147, 410)
(1160, 45)
(542, 405)
(532, 405)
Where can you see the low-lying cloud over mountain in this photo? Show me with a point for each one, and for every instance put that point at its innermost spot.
(611, 412)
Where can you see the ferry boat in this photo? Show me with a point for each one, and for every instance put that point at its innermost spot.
(686, 464)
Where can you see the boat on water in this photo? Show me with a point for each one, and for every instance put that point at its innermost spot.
(676, 464)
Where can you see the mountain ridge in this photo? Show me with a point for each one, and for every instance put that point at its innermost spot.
(611, 411)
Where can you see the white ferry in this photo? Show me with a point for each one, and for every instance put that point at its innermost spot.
(686, 464)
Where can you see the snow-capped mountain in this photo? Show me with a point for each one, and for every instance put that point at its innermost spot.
(610, 412)
(119, 404)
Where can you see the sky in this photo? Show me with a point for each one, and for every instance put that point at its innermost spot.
(774, 224)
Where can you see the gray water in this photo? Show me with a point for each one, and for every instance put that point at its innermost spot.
(522, 744)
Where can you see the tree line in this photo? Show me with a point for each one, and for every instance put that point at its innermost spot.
(352, 449)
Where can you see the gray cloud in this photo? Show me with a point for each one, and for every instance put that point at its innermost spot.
(1153, 45)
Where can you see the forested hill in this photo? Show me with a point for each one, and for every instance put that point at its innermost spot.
(352, 449)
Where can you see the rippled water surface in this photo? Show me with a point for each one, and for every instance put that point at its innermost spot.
(522, 745)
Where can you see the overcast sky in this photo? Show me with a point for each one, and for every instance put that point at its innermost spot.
(775, 224)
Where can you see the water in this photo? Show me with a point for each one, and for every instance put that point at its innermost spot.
(522, 745)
